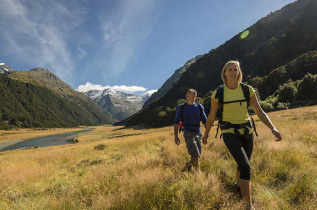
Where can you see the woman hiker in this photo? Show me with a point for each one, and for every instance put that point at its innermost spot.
(230, 102)
(189, 115)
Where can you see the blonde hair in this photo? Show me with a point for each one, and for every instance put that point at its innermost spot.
(229, 63)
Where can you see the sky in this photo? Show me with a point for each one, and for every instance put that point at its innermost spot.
(133, 46)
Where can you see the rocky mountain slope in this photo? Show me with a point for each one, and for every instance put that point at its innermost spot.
(168, 84)
(273, 41)
(119, 105)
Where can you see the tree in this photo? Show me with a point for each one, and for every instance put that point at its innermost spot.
(307, 88)
(287, 92)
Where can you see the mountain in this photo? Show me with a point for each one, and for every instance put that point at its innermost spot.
(171, 81)
(119, 105)
(5, 69)
(273, 42)
(38, 98)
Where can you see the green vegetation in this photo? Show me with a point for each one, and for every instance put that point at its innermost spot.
(28, 105)
(294, 70)
(291, 94)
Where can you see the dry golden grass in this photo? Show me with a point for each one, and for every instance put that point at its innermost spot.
(115, 168)
(24, 134)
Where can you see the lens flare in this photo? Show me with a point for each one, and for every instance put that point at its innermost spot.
(244, 34)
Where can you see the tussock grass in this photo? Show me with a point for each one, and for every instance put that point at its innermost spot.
(143, 171)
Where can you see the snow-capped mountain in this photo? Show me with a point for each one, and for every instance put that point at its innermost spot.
(120, 105)
(5, 69)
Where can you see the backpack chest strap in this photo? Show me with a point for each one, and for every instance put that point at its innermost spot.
(236, 101)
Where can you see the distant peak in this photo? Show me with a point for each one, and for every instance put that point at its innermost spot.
(5, 69)
(41, 70)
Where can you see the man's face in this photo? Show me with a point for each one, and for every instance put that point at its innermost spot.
(190, 95)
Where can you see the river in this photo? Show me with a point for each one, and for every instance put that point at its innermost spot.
(46, 141)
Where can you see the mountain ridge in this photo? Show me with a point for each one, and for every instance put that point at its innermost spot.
(171, 81)
(270, 45)
(38, 98)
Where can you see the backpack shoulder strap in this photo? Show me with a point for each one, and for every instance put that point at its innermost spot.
(200, 106)
(182, 112)
(219, 94)
(246, 92)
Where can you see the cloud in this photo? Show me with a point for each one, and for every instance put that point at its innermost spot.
(37, 33)
(88, 86)
(125, 30)
(62, 35)
(122, 88)
(150, 92)
(81, 52)
(128, 89)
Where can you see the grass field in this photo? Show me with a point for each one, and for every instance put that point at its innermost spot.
(115, 168)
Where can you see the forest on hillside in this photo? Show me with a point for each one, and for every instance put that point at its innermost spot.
(27, 105)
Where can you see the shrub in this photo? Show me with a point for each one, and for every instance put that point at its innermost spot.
(100, 147)
(276, 77)
(282, 106)
(272, 99)
(287, 92)
(199, 100)
(75, 140)
(266, 106)
(180, 101)
(256, 82)
(307, 88)
(161, 114)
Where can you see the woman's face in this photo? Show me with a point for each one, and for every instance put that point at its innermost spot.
(232, 73)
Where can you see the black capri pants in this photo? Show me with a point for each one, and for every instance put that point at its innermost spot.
(241, 150)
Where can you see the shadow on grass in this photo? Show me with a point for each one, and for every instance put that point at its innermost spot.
(137, 127)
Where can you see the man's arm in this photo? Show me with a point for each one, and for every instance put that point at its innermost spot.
(176, 138)
(176, 125)
(203, 115)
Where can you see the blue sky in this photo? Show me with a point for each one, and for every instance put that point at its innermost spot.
(132, 45)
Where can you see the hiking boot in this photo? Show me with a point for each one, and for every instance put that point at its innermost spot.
(249, 207)
(188, 166)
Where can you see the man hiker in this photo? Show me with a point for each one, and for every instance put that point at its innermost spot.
(188, 117)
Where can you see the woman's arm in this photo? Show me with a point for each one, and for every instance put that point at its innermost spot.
(263, 117)
(211, 118)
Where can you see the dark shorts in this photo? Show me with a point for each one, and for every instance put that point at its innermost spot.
(241, 151)
(193, 142)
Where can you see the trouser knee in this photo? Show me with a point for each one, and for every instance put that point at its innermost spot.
(245, 172)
